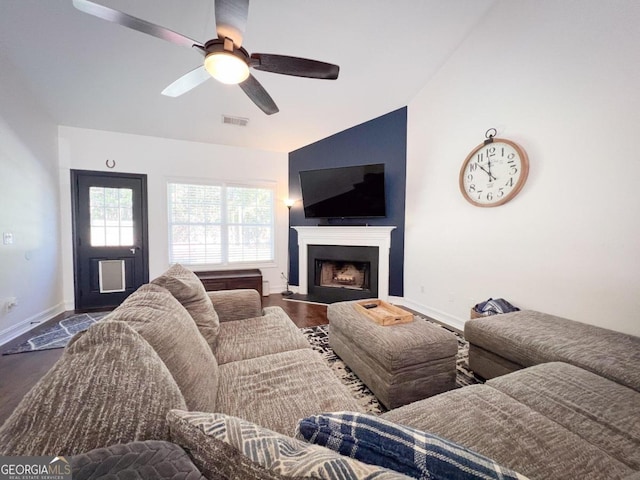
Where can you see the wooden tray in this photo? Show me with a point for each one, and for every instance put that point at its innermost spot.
(384, 313)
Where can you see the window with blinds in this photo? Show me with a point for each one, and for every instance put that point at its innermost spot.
(218, 224)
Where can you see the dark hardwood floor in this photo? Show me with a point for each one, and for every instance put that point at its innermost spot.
(19, 372)
(303, 314)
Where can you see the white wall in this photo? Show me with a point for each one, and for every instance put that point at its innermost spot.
(162, 159)
(30, 267)
(561, 79)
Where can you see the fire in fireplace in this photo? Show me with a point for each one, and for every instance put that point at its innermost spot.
(337, 273)
(342, 274)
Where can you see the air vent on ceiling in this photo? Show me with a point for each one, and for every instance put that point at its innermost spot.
(238, 121)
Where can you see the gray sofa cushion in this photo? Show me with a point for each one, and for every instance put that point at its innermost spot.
(233, 305)
(529, 338)
(488, 364)
(136, 461)
(279, 455)
(163, 322)
(495, 425)
(273, 332)
(277, 390)
(189, 291)
(108, 387)
(600, 411)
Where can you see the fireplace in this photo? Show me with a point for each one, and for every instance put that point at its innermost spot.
(340, 272)
(378, 238)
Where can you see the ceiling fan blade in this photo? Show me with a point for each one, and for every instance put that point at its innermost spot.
(259, 95)
(299, 67)
(134, 23)
(231, 19)
(187, 82)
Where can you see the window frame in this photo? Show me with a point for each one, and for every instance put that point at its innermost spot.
(224, 184)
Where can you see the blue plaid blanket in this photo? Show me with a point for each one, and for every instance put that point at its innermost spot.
(403, 449)
(495, 306)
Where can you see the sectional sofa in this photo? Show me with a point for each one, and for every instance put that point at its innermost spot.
(209, 379)
(562, 399)
(171, 345)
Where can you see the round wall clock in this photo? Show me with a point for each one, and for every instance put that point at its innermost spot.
(494, 172)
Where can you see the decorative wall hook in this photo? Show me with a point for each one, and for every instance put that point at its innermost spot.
(112, 164)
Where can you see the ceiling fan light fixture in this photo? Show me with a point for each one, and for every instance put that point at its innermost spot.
(226, 67)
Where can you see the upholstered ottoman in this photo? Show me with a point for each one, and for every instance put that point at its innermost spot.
(399, 363)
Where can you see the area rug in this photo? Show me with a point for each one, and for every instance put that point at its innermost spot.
(58, 334)
(318, 337)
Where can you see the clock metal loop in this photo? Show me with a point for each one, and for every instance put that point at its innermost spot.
(489, 136)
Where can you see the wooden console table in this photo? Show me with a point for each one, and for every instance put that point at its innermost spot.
(231, 279)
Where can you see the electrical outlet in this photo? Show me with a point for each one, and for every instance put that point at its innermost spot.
(7, 238)
(8, 304)
(11, 303)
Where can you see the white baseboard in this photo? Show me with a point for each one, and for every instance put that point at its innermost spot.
(446, 318)
(30, 323)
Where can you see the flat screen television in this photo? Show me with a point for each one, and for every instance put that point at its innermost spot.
(344, 192)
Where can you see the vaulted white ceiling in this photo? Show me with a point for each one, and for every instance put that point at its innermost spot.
(90, 73)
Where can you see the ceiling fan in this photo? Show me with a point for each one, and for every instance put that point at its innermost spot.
(225, 58)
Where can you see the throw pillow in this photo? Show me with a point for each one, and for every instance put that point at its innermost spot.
(163, 322)
(229, 446)
(135, 461)
(108, 387)
(187, 288)
(403, 449)
(214, 458)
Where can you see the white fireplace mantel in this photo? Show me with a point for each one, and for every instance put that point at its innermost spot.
(352, 236)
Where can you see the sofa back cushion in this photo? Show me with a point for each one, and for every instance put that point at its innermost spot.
(156, 315)
(108, 387)
(602, 412)
(187, 288)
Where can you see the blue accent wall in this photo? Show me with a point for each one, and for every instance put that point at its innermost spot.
(381, 140)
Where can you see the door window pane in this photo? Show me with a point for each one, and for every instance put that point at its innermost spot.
(111, 211)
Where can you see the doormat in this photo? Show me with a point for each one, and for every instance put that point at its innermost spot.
(58, 334)
(318, 337)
